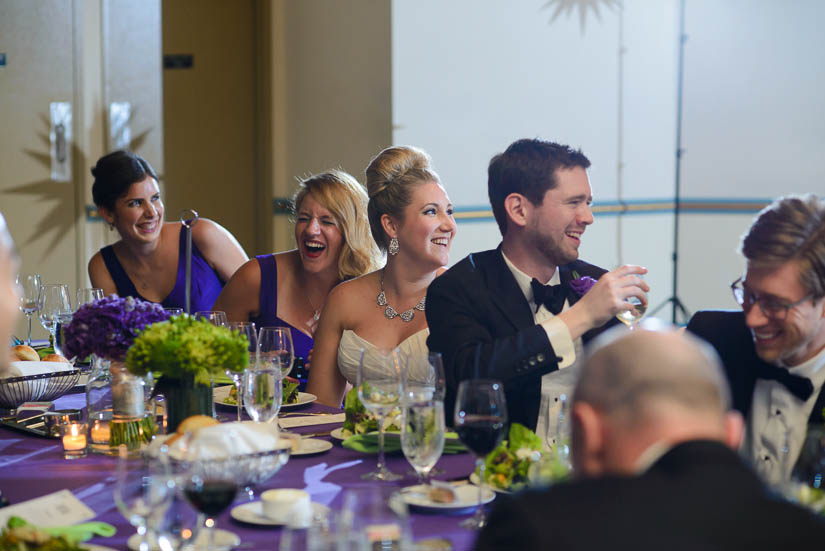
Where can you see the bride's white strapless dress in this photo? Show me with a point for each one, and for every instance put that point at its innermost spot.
(349, 353)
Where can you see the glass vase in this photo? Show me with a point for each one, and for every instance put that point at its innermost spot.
(183, 397)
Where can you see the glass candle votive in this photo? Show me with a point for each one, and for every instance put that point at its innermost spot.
(73, 436)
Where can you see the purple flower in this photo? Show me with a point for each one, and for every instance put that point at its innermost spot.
(107, 327)
(582, 284)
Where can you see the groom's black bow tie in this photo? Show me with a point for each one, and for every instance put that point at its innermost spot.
(800, 387)
(552, 296)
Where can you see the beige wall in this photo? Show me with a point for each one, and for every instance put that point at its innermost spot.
(331, 90)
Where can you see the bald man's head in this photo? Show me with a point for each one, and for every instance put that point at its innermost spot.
(640, 387)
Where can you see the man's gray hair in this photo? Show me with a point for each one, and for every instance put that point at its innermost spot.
(630, 371)
(792, 228)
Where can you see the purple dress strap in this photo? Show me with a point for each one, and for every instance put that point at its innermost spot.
(206, 284)
(268, 308)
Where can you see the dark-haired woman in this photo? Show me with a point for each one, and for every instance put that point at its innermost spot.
(148, 262)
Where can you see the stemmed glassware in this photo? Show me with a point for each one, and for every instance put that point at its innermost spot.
(29, 285)
(480, 420)
(275, 348)
(144, 489)
(87, 295)
(422, 413)
(54, 309)
(262, 393)
(215, 317)
(246, 328)
(379, 389)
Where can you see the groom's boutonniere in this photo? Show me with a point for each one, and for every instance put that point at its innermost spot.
(581, 284)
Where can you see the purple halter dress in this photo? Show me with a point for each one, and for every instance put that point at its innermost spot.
(267, 315)
(206, 284)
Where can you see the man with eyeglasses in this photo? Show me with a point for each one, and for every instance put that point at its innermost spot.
(774, 348)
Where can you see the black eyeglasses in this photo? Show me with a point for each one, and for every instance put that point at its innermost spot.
(771, 307)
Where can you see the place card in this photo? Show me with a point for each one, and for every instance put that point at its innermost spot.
(309, 420)
(58, 509)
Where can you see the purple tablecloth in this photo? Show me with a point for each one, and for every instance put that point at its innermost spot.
(31, 467)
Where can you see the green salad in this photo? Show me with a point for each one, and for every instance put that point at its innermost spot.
(520, 460)
(360, 421)
(290, 393)
(22, 536)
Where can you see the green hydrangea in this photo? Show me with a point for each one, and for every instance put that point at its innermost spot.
(184, 345)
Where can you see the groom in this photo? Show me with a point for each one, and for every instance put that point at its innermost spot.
(511, 313)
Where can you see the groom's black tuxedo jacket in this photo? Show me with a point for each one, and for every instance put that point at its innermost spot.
(482, 324)
(727, 332)
(699, 495)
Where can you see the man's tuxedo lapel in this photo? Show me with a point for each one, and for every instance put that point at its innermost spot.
(505, 292)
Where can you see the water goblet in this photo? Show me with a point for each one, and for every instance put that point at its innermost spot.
(275, 348)
(422, 435)
(173, 311)
(374, 517)
(87, 295)
(29, 285)
(144, 489)
(215, 317)
(54, 310)
(246, 328)
(379, 389)
(480, 419)
(423, 381)
(262, 393)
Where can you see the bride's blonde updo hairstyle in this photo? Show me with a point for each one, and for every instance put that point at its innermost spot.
(345, 198)
(390, 178)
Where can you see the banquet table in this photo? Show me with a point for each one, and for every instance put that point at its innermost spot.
(32, 466)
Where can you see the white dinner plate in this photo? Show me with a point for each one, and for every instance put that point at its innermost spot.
(224, 539)
(338, 434)
(251, 513)
(466, 498)
(221, 393)
(475, 481)
(310, 446)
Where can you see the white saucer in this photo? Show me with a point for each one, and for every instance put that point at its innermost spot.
(251, 513)
(224, 539)
(338, 434)
(466, 498)
(310, 446)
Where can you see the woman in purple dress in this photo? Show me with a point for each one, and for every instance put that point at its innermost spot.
(148, 261)
(290, 288)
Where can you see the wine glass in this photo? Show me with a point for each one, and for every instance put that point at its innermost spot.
(633, 316)
(423, 381)
(246, 328)
(374, 517)
(54, 310)
(179, 526)
(87, 295)
(309, 534)
(262, 393)
(422, 435)
(173, 311)
(480, 419)
(211, 485)
(29, 285)
(144, 489)
(215, 317)
(275, 348)
(379, 389)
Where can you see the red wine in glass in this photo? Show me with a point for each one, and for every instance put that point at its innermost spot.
(211, 497)
(481, 433)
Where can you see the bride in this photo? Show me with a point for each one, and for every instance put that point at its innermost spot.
(411, 219)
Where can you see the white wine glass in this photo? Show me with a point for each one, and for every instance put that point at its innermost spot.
(247, 329)
(54, 310)
(215, 317)
(379, 389)
(144, 489)
(423, 381)
(632, 316)
(422, 435)
(480, 420)
(87, 295)
(275, 348)
(29, 285)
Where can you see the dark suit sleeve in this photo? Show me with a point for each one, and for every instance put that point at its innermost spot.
(509, 527)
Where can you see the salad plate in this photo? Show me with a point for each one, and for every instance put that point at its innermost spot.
(252, 513)
(311, 446)
(304, 398)
(221, 397)
(338, 434)
(466, 495)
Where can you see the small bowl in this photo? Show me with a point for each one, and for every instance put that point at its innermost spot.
(285, 503)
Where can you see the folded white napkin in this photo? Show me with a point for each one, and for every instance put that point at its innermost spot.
(24, 369)
(226, 440)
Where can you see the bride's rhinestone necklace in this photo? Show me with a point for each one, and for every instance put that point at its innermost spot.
(390, 312)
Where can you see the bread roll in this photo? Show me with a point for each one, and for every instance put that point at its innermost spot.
(25, 353)
(55, 358)
(191, 424)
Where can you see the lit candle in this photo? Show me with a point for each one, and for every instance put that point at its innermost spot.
(73, 436)
(101, 432)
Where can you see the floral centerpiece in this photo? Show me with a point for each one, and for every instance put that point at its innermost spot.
(105, 329)
(187, 353)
